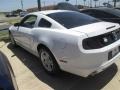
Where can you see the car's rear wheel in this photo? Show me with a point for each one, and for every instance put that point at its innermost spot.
(12, 39)
(48, 61)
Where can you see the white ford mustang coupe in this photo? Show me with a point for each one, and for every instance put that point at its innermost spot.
(68, 41)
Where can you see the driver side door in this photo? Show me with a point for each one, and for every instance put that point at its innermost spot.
(25, 29)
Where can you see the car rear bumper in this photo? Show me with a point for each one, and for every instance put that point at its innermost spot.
(90, 62)
(105, 65)
(85, 72)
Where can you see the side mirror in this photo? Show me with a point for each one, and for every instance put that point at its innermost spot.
(17, 24)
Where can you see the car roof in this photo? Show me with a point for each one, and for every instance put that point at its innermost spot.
(101, 8)
(113, 11)
(50, 11)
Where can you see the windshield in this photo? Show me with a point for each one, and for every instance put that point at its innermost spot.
(72, 19)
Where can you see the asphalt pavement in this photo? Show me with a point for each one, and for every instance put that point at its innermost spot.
(31, 76)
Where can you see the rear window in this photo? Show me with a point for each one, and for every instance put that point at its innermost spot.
(72, 19)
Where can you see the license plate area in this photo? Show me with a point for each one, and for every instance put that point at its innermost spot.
(113, 53)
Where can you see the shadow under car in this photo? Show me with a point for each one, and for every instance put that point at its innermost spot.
(64, 81)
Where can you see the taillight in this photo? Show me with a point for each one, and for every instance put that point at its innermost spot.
(101, 40)
(92, 43)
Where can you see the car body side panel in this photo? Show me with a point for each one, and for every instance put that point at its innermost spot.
(25, 36)
(56, 40)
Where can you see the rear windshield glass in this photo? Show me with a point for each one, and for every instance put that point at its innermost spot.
(72, 19)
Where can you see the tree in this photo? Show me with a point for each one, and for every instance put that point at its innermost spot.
(95, 2)
(18, 11)
(22, 4)
(84, 2)
(39, 5)
(115, 2)
(91, 3)
(66, 0)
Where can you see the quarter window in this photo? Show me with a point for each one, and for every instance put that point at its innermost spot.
(44, 23)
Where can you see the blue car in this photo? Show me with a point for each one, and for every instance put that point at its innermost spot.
(7, 78)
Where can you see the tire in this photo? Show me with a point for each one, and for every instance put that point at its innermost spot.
(12, 39)
(48, 61)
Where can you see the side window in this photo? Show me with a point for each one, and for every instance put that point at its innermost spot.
(103, 15)
(98, 14)
(44, 23)
(93, 13)
(107, 15)
(29, 21)
(88, 12)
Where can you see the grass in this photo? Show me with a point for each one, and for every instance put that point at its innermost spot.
(10, 20)
(1, 14)
(4, 36)
(13, 21)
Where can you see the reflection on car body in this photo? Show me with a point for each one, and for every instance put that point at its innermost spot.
(7, 78)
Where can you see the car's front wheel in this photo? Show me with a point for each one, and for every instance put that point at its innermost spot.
(48, 61)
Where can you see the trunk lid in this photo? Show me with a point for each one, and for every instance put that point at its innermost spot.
(97, 28)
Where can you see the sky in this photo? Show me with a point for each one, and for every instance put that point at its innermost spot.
(9, 5)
